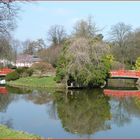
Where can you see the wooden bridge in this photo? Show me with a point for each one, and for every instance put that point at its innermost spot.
(121, 93)
(5, 71)
(125, 74)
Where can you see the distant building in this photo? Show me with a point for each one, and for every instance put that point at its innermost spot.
(26, 60)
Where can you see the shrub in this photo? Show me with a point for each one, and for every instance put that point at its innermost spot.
(137, 65)
(58, 79)
(24, 72)
(43, 68)
(21, 70)
(12, 76)
(30, 71)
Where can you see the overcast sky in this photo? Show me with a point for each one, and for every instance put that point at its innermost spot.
(35, 18)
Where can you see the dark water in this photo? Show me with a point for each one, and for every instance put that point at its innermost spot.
(73, 114)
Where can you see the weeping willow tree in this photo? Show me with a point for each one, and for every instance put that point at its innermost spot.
(86, 61)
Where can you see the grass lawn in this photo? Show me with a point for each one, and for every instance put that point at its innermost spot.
(44, 82)
(9, 133)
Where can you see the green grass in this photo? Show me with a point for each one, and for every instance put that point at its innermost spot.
(9, 133)
(44, 82)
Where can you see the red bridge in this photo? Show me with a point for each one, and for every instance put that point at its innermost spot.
(5, 71)
(122, 93)
(125, 74)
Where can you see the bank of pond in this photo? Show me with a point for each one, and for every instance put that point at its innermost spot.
(87, 113)
(8, 133)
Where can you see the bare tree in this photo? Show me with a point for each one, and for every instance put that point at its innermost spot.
(119, 35)
(85, 28)
(5, 48)
(8, 12)
(33, 47)
(56, 34)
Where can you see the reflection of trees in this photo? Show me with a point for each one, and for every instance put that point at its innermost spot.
(120, 115)
(135, 107)
(52, 111)
(83, 112)
(17, 90)
(43, 97)
(39, 97)
(123, 109)
(5, 100)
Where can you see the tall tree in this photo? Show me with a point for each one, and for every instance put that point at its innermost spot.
(85, 28)
(119, 36)
(8, 12)
(56, 34)
(33, 47)
(85, 62)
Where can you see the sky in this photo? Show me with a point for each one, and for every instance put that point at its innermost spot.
(35, 18)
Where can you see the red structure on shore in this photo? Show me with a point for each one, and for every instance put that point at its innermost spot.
(125, 73)
(5, 71)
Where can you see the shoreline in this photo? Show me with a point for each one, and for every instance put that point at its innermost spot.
(8, 133)
(35, 82)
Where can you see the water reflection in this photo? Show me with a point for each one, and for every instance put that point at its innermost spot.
(5, 100)
(83, 112)
(74, 114)
(125, 103)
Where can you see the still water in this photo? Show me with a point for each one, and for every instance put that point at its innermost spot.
(96, 113)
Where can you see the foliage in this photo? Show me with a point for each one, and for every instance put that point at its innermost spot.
(43, 68)
(6, 50)
(8, 12)
(50, 54)
(56, 35)
(84, 112)
(116, 65)
(12, 76)
(85, 28)
(33, 47)
(86, 61)
(61, 65)
(24, 71)
(7, 133)
(137, 65)
(119, 36)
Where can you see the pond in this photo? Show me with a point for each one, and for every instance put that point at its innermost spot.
(72, 114)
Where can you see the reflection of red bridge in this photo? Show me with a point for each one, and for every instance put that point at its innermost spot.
(3, 90)
(121, 93)
(125, 74)
(5, 71)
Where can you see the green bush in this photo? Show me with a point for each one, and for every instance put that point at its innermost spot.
(21, 70)
(58, 79)
(24, 72)
(30, 71)
(137, 64)
(27, 72)
(12, 76)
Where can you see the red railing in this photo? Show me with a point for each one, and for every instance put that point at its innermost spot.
(121, 93)
(125, 73)
(5, 71)
(3, 90)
